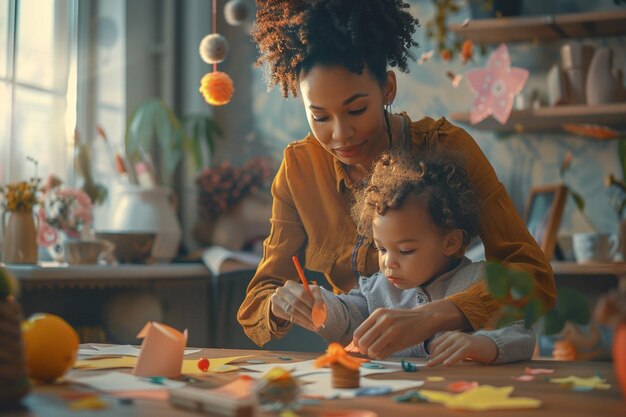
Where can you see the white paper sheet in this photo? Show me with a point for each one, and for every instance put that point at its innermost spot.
(320, 385)
(298, 369)
(120, 381)
(121, 350)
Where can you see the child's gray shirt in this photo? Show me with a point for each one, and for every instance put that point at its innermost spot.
(345, 312)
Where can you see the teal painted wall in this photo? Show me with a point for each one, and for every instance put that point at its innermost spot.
(522, 161)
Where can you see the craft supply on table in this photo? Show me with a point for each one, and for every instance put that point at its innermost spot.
(277, 390)
(235, 399)
(345, 369)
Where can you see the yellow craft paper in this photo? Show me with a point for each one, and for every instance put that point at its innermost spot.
(434, 378)
(484, 397)
(106, 363)
(592, 382)
(190, 366)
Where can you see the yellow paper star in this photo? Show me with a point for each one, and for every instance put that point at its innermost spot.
(484, 397)
(592, 382)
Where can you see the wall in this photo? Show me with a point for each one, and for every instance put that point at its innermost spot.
(522, 161)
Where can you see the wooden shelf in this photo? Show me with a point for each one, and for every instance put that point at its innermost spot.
(546, 28)
(85, 275)
(551, 118)
(600, 268)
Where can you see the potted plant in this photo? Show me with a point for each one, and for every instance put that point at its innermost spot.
(514, 290)
(154, 120)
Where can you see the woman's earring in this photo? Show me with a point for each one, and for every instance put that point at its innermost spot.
(388, 107)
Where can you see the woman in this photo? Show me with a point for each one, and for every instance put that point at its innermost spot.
(335, 54)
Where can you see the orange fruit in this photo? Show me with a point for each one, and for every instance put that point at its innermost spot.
(50, 346)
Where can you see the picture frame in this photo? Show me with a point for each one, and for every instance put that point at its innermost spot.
(543, 215)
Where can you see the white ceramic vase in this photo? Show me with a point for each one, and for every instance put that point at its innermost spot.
(139, 209)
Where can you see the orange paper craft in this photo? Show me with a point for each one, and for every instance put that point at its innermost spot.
(161, 352)
(337, 354)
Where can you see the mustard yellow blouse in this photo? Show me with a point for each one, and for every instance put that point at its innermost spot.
(310, 219)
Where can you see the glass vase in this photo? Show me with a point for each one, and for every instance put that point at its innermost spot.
(20, 239)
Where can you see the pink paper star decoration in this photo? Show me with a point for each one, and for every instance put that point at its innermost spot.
(495, 86)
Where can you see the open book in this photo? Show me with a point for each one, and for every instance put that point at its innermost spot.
(215, 257)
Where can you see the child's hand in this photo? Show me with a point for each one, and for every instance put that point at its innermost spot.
(389, 330)
(452, 347)
(292, 302)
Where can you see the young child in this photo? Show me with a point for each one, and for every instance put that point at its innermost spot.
(421, 216)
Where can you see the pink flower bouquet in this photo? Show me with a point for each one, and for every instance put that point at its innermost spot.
(62, 209)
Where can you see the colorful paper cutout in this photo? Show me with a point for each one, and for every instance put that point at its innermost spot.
(435, 378)
(523, 378)
(577, 382)
(425, 57)
(538, 371)
(495, 86)
(484, 397)
(161, 352)
(461, 386)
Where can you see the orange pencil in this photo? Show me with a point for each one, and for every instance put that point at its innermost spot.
(296, 262)
(318, 312)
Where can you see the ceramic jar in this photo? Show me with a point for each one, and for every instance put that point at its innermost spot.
(140, 209)
(604, 83)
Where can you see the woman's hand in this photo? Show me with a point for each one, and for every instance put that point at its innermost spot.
(292, 302)
(452, 347)
(387, 331)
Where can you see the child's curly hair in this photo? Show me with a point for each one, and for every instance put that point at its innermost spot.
(296, 35)
(438, 182)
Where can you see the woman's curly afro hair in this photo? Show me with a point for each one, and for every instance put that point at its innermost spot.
(295, 35)
(436, 181)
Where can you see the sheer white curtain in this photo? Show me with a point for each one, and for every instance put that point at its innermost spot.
(37, 87)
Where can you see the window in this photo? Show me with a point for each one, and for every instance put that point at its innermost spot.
(37, 86)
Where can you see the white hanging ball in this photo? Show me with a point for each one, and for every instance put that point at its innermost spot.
(213, 48)
(236, 12)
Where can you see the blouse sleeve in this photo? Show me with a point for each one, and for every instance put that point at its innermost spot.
(504, 234)
(286, 239)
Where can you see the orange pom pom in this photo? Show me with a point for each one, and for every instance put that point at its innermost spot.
(217, 88)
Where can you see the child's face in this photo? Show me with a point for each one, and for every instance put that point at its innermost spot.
(411, 248)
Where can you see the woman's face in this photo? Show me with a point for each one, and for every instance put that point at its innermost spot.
(345, 112)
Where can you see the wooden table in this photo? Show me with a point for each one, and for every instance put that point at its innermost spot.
(46, 401)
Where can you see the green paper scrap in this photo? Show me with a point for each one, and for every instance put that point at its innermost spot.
(582, 384)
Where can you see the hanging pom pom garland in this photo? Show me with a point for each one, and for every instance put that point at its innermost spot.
(216, 87)
(236, 12)
(213, 48)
